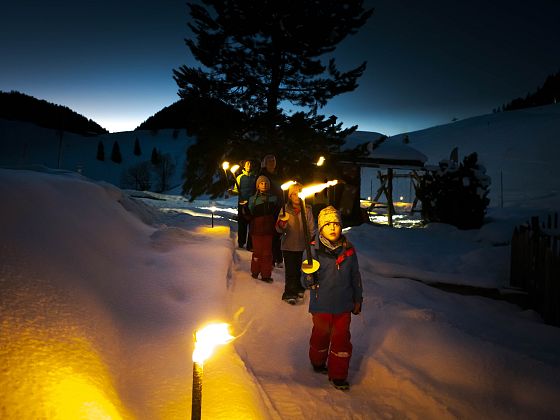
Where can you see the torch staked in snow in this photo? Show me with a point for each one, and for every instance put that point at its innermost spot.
(213, 209)
(205, 340)
(284, 187)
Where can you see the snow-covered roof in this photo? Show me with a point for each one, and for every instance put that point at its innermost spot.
(389, 154)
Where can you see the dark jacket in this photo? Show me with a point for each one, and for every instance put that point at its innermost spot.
(338, 278)
(263, 209)
(275, 185)
(246, 181)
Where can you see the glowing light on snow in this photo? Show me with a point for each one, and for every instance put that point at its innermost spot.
(61, 378)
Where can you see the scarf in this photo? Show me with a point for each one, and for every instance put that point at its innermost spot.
(348, 251)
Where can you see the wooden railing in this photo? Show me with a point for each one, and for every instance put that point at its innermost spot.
(535, 265)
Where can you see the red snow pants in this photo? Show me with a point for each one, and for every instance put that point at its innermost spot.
(330, 343)
(262, 255)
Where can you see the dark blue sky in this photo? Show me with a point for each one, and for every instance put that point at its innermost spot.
(428, 62)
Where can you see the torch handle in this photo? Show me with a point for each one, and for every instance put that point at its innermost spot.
(196, 407)
(306, 232)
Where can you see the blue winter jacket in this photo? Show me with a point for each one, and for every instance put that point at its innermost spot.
(339, 285)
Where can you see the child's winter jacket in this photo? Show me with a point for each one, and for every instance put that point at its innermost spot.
(337, 285)
(263, 209)
(293, 236)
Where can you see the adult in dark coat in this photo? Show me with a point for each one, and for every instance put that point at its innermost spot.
(268, 169)
(245, 188)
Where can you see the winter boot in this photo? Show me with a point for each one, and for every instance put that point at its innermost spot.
(341, 384)
(289, 299)
(320, 369)
(267, 279)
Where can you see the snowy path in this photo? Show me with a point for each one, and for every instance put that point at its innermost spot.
(280, 332)
(274, 348)
(97, 311)
(418, 353)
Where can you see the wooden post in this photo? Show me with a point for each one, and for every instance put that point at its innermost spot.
(389, 194)
(196, 406)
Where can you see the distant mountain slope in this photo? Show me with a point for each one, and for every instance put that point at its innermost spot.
(17, 106)
(172, 116)
(189, 114)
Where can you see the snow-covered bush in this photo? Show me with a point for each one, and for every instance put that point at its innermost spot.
(453, 193)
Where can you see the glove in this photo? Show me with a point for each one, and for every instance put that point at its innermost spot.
(311, 282)
(282, 224)
(357, 308)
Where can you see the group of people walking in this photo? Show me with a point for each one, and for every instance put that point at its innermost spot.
(281, 233)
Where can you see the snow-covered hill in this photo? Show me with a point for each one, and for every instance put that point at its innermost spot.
(520, 149)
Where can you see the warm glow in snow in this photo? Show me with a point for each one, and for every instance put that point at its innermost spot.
(216, 230)
(56, 379)
(208, 338)
(75, 396)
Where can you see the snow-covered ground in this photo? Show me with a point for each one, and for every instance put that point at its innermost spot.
(101, 290)
(101, 293)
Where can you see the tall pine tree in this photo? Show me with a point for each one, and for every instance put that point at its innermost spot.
(259, 54)
(137, 149)
(100, 151)
(116, 153)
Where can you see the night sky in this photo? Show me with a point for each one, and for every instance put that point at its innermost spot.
(428, 62)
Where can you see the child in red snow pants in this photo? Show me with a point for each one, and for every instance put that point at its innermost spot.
(333, 329)
(261, 262)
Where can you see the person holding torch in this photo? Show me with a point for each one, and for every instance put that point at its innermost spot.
(263, 209)
(293, 240)
(335, 294)
(245, 188)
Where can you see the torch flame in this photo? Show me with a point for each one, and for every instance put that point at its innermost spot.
(234, 169)
(286, 185)
(321, 161)
(314, 189)
(208, 338)
(225, 166)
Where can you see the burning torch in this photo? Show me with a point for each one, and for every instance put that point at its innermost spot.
(284, 187)
(310, 265)
(205, 340)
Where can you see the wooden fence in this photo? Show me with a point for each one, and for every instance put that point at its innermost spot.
(535, 265)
